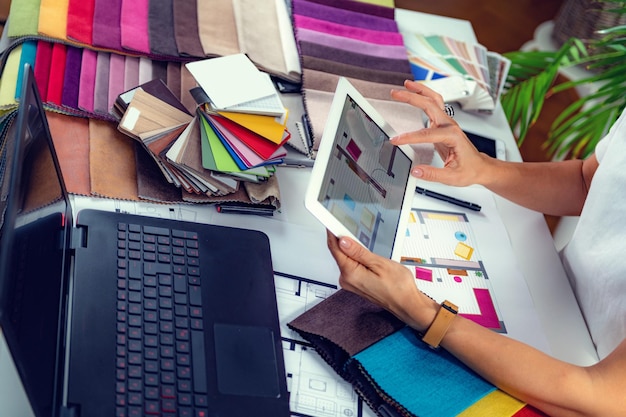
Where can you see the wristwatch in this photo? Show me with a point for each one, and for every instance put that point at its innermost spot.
(438, 328)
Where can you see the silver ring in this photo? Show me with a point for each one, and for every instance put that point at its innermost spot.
(449, 109)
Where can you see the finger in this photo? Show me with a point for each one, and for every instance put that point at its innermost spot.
(443, 134)
(421, 88)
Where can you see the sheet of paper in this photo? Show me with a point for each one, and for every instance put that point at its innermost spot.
(443, 226)
(230, 80)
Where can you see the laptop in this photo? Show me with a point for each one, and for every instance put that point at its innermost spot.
(113, 314)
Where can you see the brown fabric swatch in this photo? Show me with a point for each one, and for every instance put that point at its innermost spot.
(173, 78)
(187, 82)
(71, 141)
(112, 162)
(324, 81)
(186, 28)
(151, 185)
(349, 321)
(352, 71)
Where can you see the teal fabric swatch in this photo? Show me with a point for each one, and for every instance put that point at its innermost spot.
(29, 51)
(426, 382)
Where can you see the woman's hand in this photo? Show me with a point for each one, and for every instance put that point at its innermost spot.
(382, 281)
(463, 164)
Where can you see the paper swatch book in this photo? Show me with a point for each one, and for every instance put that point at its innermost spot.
(392, 370)
(460, 71)
(233, 83)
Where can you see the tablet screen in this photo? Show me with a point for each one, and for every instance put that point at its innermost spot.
(365, 180)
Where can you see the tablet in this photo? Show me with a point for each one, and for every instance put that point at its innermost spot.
(360, 184)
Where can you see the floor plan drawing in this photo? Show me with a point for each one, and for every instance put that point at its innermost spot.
(441, 249)
(315, 388)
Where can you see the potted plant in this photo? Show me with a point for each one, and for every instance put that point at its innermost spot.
(533, 78)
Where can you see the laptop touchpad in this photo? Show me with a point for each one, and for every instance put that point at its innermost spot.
(246, 361)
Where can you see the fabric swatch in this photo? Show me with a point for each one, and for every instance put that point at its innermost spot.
(111, 162)
(217, 28)
(173, 80)
(43, 60)
(161, 28)
(70, 135)
(53, 18)
(356, 58)
(342, 16)
(71, 80)
(117, 69)
(441, 385)
(87, 80)
(24, 18)
(369, 8)
(106, 24)
(367, 35)
(145, 70)
(101, 86)
(349, 44)
(131, 72)
(8, 81)
(28, 56)
(80, 20)
(324, 81)
(186, 28)
(57, 74)
(134, 25)
(353, 71)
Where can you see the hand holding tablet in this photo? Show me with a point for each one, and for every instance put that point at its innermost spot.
(361, 185)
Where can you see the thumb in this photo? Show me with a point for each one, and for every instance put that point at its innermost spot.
(352, 249)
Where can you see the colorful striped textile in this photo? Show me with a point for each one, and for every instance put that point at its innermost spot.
(167, 30)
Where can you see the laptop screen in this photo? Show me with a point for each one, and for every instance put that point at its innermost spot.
(35, 221)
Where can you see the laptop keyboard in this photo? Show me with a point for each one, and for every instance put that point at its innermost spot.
(161, 367)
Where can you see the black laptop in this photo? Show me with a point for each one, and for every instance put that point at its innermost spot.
(112, 314)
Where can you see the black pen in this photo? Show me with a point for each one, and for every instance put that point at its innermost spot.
(448, 199)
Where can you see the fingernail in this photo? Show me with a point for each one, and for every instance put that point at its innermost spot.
(344, 243)
(417, 172)
(393, 139)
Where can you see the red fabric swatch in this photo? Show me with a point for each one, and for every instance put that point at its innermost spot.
(80, 20)
(42, 67)
(57, 74)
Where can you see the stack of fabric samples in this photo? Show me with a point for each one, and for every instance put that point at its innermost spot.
(360, 41)
(207, 153)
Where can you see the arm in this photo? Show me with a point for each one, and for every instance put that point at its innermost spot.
(557, 188)
(553, 386)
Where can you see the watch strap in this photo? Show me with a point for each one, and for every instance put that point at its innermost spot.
(438, 328)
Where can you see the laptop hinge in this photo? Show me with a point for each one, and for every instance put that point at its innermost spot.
(70, 411)
(78, 238)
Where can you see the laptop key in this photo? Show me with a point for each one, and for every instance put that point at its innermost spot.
(199, 361)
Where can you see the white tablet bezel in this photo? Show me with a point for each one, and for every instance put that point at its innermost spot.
(327, 144)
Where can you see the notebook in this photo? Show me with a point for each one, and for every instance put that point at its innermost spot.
(125, 315)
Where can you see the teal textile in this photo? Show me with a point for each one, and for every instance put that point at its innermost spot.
(426, 382)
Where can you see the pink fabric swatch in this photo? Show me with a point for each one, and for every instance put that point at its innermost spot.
(352, 45)
(131, 73)
(87, 80)
(373, 36)
(117, 67)
(134, 25)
